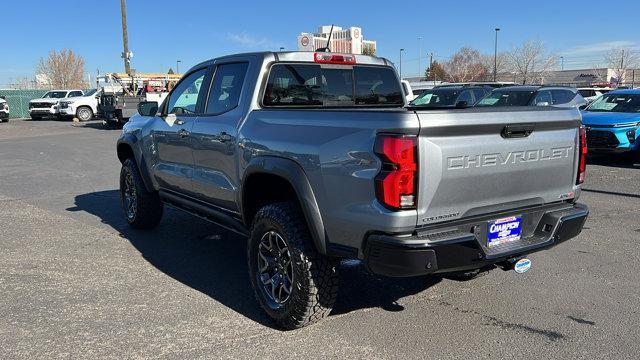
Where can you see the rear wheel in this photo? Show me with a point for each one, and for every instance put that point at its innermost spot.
(84, 113)
(142, 208)
(294, 284)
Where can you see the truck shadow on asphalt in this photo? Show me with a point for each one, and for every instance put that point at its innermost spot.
(213, 261)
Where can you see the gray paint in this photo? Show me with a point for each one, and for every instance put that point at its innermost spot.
(333, 149)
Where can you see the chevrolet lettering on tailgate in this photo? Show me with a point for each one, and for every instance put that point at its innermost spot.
(513, 157)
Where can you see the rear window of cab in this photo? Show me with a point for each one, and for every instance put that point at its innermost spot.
(314, 85)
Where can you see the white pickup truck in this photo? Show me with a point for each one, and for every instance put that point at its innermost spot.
(47, 105)
(82, 107)
(4, 110)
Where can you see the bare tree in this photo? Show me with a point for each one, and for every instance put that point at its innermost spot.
(530, 62)
(621, 60)
(465, 65)
(502, 64)
(64, 69)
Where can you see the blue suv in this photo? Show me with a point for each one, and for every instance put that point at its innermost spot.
(613, 123)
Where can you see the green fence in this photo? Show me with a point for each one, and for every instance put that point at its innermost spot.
(18, 101)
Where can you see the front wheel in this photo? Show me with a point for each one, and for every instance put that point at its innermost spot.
(84, 113)
(294, 284)
(142, 208)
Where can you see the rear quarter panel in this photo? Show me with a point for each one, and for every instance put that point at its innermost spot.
(335, 150)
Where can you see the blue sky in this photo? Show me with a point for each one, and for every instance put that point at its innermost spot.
(161, 31)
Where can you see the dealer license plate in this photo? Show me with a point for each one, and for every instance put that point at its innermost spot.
(504, 230)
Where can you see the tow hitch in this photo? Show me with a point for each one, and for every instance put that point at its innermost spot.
(519, 265)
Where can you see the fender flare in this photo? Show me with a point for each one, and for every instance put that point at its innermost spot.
(131, 141)
(292, 172)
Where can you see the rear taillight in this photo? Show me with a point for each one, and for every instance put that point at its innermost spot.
(397, 180)
(328, 58)
(582, 164)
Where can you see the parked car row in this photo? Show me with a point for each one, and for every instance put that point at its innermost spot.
(65, 104)
(483, 95)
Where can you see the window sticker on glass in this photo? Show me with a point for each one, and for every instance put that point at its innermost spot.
(489, 101)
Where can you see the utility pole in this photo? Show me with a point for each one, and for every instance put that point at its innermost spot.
(125, 37)
(495, 57)
(401, 51)
(419, 55)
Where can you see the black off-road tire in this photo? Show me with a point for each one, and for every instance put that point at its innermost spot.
(315, 277)
(148, 208)
(84, 113)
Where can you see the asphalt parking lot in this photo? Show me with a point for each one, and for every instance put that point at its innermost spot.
(76, 282)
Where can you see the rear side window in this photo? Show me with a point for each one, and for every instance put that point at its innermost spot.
(226, 87)
(587, 93)
(562, 96)
(479, 94)
(332, 86)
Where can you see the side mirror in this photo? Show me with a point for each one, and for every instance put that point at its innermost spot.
(148, 108)
(462, 104)
(543, 103)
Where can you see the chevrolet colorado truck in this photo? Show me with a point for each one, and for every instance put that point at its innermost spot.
(316, 158)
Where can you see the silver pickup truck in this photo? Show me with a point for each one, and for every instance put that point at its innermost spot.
(316, 158)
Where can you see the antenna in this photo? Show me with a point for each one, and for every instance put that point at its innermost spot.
(326, 48)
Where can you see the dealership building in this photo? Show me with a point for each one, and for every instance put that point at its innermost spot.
(349, 40)
(580, 77)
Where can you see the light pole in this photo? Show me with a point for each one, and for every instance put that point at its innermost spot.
(401, 51)
(178, 66)
(561, 63)
(495, 56)
(419, 55)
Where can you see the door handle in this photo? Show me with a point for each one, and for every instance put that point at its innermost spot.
(517, 131)
(179, 122)
(224, 137)
(183, 133)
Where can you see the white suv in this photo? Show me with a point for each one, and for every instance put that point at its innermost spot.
(4, 110)
(82, 107)
(47, 105)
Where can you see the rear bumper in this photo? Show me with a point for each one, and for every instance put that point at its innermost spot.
(449, 249)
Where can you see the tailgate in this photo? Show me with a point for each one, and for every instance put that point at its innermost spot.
(478, 161)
